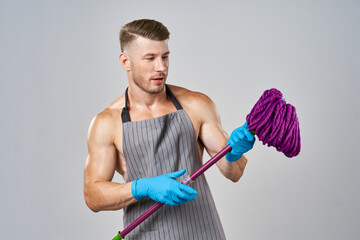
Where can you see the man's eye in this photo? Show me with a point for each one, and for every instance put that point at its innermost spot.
(149, 59)
(165, 57)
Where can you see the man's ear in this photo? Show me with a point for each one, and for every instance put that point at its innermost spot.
(125, 61)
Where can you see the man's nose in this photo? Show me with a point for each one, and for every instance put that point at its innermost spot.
(160, 65)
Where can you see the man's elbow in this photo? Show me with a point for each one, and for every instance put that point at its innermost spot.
(90, 199)
(92, 205)
(240, 171)
(236, 178)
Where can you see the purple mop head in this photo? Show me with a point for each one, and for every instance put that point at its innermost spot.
(275, 122)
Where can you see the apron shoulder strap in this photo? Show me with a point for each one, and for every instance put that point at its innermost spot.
(125, 116)
(173, 98)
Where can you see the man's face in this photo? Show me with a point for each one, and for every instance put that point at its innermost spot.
(149, 64)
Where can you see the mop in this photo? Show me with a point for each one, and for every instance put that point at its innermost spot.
(272, 120)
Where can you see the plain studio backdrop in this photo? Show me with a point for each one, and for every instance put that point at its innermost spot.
(59, 68)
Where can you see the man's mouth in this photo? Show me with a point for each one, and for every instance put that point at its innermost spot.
(158, 79)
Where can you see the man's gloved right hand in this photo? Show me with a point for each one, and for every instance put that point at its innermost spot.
(163, 189)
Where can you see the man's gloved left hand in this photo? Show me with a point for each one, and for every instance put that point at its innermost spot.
(241, 140)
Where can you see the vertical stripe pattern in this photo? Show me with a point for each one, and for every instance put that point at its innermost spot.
(158, 146)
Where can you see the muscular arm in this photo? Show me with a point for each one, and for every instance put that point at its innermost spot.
(100, 193)
(215, 138)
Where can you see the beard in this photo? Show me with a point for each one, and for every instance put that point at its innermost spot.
(147, 85)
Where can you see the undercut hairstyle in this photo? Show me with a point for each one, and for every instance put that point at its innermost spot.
(146, 28)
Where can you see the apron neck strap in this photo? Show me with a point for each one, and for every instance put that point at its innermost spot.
(125, 116)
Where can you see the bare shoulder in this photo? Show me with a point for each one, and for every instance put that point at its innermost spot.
(104, 123)
(192, 99)
(198, 105)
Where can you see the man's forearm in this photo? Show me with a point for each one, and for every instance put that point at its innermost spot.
(102, 195)
(232, 170)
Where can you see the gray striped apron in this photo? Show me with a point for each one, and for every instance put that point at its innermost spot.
(158, 146)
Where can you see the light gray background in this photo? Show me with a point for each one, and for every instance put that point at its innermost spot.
(59, 68)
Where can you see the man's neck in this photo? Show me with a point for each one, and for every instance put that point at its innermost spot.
(140, 99)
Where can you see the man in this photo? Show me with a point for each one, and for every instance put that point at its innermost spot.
(151, 135)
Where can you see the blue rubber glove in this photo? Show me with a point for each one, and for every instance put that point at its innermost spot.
(241, 140)
(163, 189)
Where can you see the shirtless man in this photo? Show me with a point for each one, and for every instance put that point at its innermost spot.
(151, 135)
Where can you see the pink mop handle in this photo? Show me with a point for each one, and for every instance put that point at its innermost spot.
(188, 180)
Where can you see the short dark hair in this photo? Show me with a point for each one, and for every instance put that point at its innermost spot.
(146, 28)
